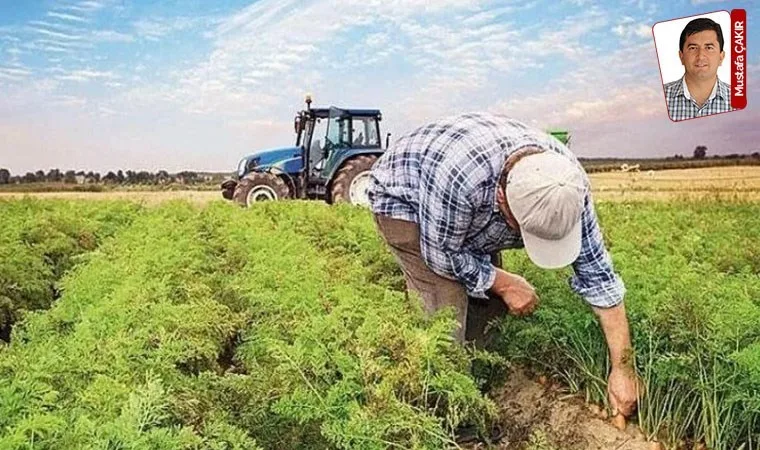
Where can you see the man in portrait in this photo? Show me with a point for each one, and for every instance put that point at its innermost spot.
(699, 92)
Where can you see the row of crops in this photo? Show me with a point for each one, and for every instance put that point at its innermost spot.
(221, 328)
(40, 241)
(286, 326)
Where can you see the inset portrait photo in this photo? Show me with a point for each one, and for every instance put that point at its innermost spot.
(695, 64)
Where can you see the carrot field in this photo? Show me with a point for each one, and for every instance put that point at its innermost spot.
(285, 326)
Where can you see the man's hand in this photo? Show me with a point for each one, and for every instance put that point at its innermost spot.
(515, 291)
(622, 389)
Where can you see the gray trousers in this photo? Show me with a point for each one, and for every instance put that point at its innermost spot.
(473, 314)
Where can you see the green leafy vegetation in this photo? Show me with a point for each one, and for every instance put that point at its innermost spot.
(39, 241)
(286, 326)
(222, 327)
(692, 271)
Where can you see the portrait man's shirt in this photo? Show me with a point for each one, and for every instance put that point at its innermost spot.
(681, 104)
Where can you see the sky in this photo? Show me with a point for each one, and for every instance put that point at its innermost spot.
(195, 85)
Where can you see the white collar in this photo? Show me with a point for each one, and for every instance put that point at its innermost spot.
(687, 94)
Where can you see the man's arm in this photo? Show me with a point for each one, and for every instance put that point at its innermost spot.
(622, 388)
(596, 280)
(614, 323)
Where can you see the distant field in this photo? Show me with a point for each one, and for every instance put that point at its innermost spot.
(614, 164)
(38, 187)
(149, 197)
(716, 182)
(719, 182)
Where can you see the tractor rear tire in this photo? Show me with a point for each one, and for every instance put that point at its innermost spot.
(351, 182)
(259, 187)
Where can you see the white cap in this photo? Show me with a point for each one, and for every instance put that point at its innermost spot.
(545, 192)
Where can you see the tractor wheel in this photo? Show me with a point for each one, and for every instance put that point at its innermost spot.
(352, 180)
(260, 187)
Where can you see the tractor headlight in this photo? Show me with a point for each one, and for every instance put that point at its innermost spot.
(248, 164)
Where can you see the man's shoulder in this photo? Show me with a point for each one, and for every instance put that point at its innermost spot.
(674, 87)
(724, 89)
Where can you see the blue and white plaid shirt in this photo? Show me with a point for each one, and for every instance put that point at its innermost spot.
(681, 105)
(444, 176)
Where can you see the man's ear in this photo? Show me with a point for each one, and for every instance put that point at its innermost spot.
(680, 56)
(722, 55)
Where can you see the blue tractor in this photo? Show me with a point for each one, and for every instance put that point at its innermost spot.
(331, 160)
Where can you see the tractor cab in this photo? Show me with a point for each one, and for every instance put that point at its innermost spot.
(329, 137)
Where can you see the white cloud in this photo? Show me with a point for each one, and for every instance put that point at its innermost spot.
(414, 59)
(69, 100)
(489, 15)
(647, 6)
(55, 49)
(69, 17)
(627, 29)
(566, 37)
(156, 28)
(56, 26)
(259, 65)
(14, 73)
(8, 38)
(613, 87)
(78, 44)
(378, 40)
(643, 31)
(111, 36)
(85, 75)
(106, 111)
(702, 2)
(56, 34)
(87, 6)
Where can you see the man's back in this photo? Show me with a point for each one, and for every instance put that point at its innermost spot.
(466, 152)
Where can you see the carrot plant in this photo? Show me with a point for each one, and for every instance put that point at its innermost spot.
(40, 240)
(223, 328)
(692, 271)
(286, 326)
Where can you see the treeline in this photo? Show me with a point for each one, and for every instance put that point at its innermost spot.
(129, 177)
(673, 162)
(162, 177)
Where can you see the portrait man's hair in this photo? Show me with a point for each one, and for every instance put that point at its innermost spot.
(701, 24)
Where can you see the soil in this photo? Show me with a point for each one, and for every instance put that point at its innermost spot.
(543, 417)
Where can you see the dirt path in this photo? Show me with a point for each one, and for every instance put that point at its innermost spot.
(541, 417)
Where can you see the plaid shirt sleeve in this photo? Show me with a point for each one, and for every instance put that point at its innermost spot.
(595, 279)
(445, 215)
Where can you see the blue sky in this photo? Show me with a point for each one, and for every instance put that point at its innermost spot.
(143, 84)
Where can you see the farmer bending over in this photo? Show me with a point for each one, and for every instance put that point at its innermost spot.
(451, 193)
